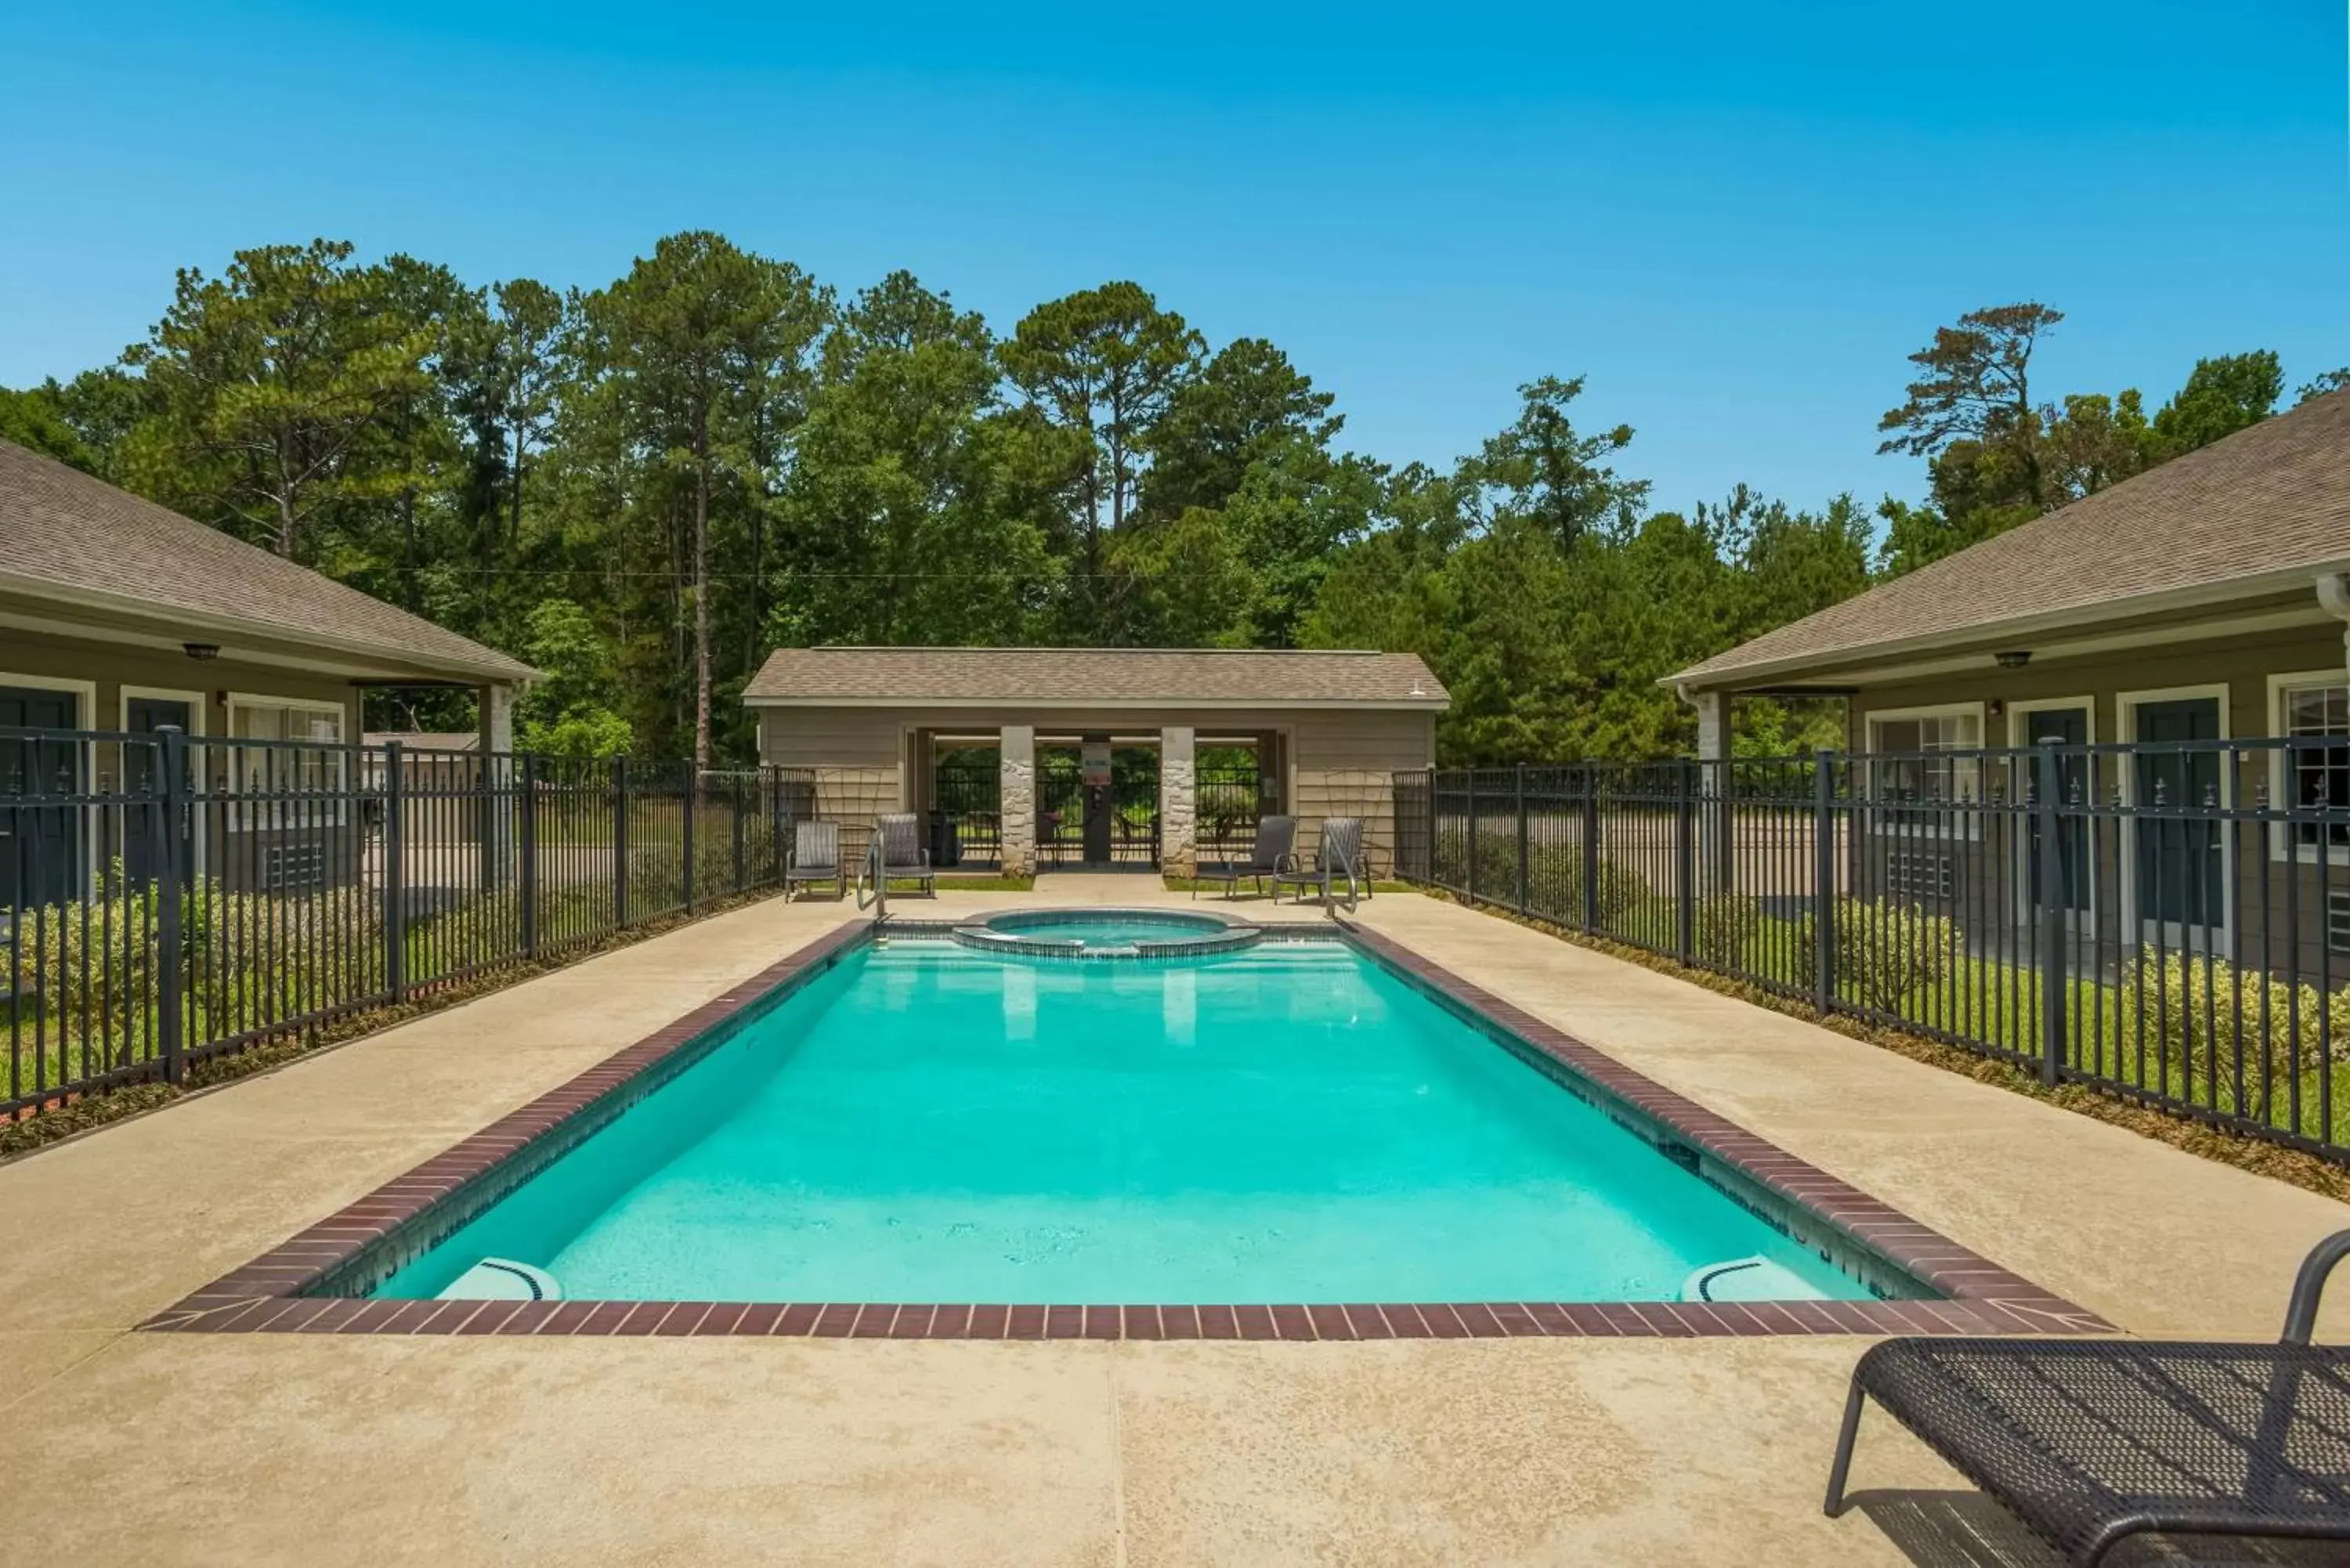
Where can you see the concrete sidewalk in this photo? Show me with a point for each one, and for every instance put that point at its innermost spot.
(121, 1447)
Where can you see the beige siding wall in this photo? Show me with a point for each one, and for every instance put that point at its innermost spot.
(1344, 765)
(2243, 666)
(36, 657)
(1334, 762)
(856, 755)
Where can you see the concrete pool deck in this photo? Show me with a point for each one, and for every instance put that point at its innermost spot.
(166, 1448)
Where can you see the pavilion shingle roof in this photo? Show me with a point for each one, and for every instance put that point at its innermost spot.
(2271, 499)
(61, 529)
(1075, 677)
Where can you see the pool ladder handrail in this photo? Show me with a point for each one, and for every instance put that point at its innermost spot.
(877, 867)
(1346, 863)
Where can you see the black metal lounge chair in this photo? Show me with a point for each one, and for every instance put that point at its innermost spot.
(816, 858)
(1340, 858)
(1276, 837)
(903, 856)
(2092, 1442)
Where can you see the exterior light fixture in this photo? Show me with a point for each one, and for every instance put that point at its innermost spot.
(201, 652)
(2013, 658)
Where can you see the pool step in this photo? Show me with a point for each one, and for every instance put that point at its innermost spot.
(1749, 1279)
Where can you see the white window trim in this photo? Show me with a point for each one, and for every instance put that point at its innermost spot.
(2279, 781)
(85, 717)
(198, 702)
(1965, 810)
(244, 818)
(2125, 707)
(2020, 739)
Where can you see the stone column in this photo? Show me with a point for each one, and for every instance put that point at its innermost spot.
(1178, 803)
(500, 785)
(1016, 802)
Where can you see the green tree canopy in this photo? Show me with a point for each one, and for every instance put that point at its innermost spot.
(643, 488)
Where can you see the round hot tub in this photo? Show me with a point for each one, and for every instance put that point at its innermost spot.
(1108, 933)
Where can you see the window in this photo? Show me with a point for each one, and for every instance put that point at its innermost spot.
(1905, 765)
(311, 764)
(2314, 778)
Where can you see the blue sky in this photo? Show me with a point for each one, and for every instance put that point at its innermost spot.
(1735, 220)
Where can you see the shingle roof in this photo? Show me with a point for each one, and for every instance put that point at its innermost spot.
(2271, 499)
(1082, 677)
(428, 740)
(61, 529)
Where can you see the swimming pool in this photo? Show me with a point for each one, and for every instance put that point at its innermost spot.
(1289, 1123)
(1331, 1113)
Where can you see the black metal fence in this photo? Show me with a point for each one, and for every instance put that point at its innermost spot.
(1082, 824)
(967, 793)
(2167, 922)
(1231, 797)
(166, 899)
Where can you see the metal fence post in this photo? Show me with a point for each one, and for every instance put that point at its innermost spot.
(735, 803)
(526, 846)
(169, 971)
(2048, 881)
(1685, 858)
(772, 792)
(1521, 809)
(1590, 910)
(1472, 833)
(395, 872)
(685, 834)
(1427, 843)
(1823, 881)
(620, 842)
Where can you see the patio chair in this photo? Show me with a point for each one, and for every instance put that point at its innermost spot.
(816, 858)
(1339, 858)
(2091, 1442)
(1275, 837)
(903, 856)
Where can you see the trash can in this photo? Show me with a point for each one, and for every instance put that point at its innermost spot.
(946, 838)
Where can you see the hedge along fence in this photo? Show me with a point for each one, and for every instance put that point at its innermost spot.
(168, 899)
(2169, 924)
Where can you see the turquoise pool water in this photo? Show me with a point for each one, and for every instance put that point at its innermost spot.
(926, 1123)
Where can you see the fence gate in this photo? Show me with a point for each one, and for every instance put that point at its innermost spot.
(1230, 797)
(967, 791)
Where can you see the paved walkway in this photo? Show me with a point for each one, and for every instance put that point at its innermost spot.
(120, 1447)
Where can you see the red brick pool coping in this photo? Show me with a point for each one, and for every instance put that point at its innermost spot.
(267, 1295)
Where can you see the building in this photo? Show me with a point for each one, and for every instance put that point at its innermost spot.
(2195, 614)
(117, 615)
(1054, 756)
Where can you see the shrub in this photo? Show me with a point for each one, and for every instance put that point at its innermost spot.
(1885, 952)
(1725, 924)
(2194, 1014)
(247, 959)
(1622, 891)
